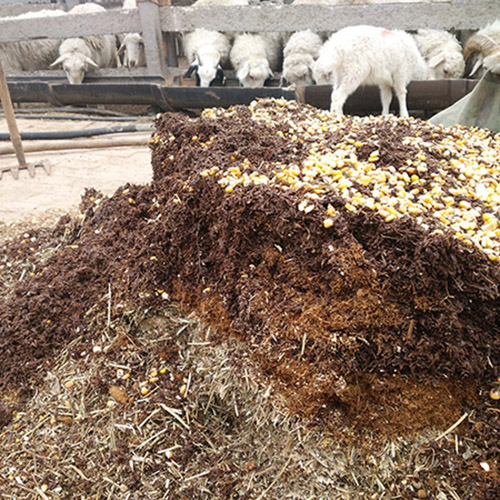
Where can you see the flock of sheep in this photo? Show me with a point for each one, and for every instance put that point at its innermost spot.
(76, 56)
(353, 56)
(347, 59)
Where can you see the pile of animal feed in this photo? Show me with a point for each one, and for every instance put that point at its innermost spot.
(298, 306)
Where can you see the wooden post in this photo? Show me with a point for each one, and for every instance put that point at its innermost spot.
(15, 137)
(71, 3)
(149, 13)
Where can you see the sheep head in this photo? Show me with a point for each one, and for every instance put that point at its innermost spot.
(133, 46)
(75, 65)
(446, 65)
(479, 48)
(208, 72)
(297, 69)
(254, 72)
(322, 72)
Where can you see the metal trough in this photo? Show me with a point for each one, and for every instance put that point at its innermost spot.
(427, 96)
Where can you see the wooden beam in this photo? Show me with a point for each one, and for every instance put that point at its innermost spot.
(458, 15)
(100, 23)
(453, 14)
(149, 12)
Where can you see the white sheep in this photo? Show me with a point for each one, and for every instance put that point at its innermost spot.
(79, 55)
(255, 56)
(208, 52)
(132, 46)
(482, 50)
(30, 55)
(442, 53)
(369, 55)
(300, 53)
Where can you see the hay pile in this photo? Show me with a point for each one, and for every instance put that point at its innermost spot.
(348, 274)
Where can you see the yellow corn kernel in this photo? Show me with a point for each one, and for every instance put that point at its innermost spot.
(490, 226)
(414, 209)
(327, 223)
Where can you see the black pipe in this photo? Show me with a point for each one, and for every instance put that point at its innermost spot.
(76, 118)
(70, 134)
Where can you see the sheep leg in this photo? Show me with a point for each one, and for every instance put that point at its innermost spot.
(340, 95)
(400, 90)
(386, 98)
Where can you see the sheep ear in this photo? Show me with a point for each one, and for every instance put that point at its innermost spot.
(121, 50)
(59, 60)
(435, 61)
(91, 62)
(243, 71)
(193, 67)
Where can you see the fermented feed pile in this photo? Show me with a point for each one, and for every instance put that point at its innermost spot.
(337, 247)
(347, 274)
(345, 253)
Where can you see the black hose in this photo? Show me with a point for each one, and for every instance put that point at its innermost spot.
(70, 134)
(78, 118)
(75, 109)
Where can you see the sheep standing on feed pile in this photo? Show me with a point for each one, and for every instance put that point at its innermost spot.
(369, 55)
(300, 53)
(30, 55)
(255, 57)
(482, 50)
(207, 52)
(442, 53)
(79, 55)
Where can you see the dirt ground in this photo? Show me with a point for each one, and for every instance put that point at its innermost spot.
(71, 171)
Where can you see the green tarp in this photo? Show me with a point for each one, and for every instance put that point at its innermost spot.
(480, 108)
